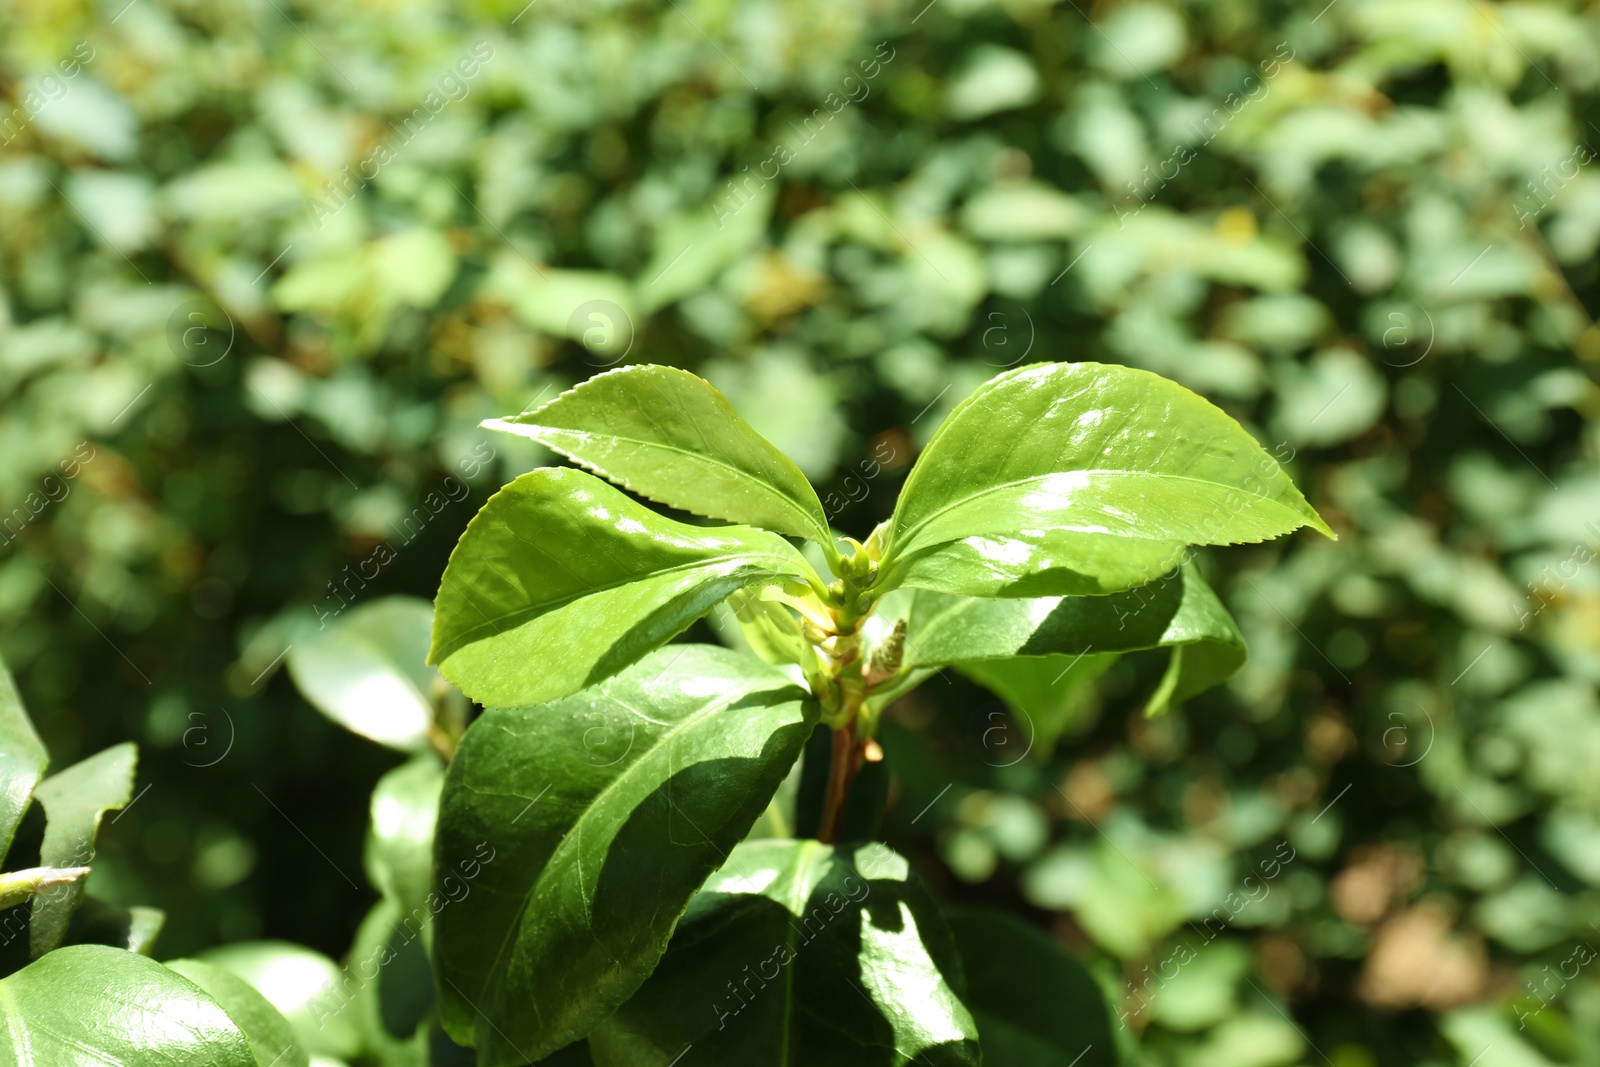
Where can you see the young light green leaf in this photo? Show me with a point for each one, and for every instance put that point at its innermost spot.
(798, 952)
(368, 671)
(74, 801)
(309, 990)
(90, 1004)
(22, 758)
(1096, 450)
(271, 1037)
(590, 823)
(1035, 1005)
(671, 436)
(1176, 611)
(405, 812)
(764, 627)
(561, 581)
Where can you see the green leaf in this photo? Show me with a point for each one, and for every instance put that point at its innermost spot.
(671, 436)
(90, 1004)
(798, 952)
(405, 812)
(765, 627)
(393, 1008)
(1059, 466)
(1033, 563)
(1179, 610)
(271, 1037)
(1047, 693)
(98, 923)
(1035, 1005)
(74, 801)
(22, 759)
(309, 990)
(368, 671)
(561, 581)
(595, 819)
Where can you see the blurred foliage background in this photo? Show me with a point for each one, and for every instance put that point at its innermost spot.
(266, 264)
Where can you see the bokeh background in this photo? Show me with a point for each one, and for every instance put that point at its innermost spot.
(264, 265)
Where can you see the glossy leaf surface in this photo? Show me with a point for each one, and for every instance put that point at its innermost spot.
(74, 802)
(367, 670)
(22, 758)
(797, 952)
(1096, 450)
(561, 581)
(89, 1005)
(271, 1037)
(1036, 563)
(1035, 1005)
(671, 436)
(1177, 611)
(595, 818)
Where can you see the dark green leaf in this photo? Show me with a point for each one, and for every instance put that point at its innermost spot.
(405, 811)
(74, 801)
(394, 1005)
(98, 923)
(797, 952)
(1055, 467)
(307, 988)
(561, 581)
(367, 670)
(90, 1004)
(22, 758)
(271, 1037)
(576, 832)
(1035, 1005)
(1047, 693)
(671, 436)
(1176, 611)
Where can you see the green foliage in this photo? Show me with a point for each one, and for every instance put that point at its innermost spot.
(798, 952)
(597, 817)
(561, 563)
(605, 811)
(76, 989)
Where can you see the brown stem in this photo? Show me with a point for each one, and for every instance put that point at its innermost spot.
(841, 773)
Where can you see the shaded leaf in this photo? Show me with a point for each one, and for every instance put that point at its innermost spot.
(90, 1004)
(799, 952)
(595, 819)
(1035, 1005)
(98, 923)
(1177, 611)
(561, 581)
(1047, 693)
(671, 436)
(74, 801)
(22, 758)
(368, 671)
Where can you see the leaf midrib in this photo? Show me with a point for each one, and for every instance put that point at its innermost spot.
(911, 533)
(794, 506)
(572, 834)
